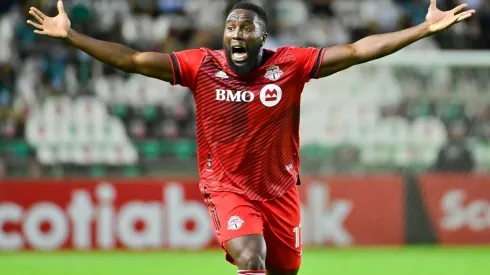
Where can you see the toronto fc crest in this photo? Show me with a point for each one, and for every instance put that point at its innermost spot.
(273, 73)
(235, 222)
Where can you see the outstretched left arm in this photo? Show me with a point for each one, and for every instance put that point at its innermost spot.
(373, 47)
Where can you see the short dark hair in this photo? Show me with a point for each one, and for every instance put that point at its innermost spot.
(248, 5)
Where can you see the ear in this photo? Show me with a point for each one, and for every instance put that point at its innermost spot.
(264, 38)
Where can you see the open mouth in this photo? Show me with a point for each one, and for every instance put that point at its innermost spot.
(239, 53)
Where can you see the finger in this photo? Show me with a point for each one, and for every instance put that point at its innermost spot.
(38, 12)
(432, 3)
(459, 8)
(40, 32)
(464, 16)
(466, 12)
(61, 9)
(39, 19)
(36, 25)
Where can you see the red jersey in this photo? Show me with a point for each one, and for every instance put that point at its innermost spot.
(247, 125)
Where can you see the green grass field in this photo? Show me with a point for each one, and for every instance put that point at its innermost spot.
(358, 261)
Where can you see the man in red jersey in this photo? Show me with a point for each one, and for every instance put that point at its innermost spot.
(247, 101)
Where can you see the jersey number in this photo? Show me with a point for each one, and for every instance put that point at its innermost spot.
(297, 236)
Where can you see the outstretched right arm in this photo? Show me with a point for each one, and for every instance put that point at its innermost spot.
(152, 64)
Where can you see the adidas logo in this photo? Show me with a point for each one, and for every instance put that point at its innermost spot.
(221, 74)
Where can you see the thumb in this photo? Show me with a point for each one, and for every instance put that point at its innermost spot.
(61, 9)
(433, 3)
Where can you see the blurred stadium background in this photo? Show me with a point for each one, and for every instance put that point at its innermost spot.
(421, 113)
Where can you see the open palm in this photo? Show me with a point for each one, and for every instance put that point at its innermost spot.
(57, 26)
(439, 20)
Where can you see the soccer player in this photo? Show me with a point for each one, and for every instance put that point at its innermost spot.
(247, 100)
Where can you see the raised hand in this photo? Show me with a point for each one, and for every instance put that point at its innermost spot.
(439, 20)
(57, 26)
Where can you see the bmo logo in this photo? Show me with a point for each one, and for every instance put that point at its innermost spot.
(270, 95)
(238, 96)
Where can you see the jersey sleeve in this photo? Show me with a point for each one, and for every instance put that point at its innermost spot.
(308, 61)
(185, 65)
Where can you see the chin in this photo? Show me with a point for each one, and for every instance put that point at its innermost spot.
(241, 67)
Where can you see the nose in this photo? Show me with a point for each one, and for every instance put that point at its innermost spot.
(238, 34)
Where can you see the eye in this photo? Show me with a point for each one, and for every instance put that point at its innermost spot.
(230, 29)
(248, 29)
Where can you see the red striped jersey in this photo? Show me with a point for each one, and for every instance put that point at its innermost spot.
(247, 125)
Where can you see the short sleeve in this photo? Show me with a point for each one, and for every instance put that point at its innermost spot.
(185, 65)
(308, 60)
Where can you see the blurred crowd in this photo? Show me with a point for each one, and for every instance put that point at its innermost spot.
(33, 67)
(170, 25)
